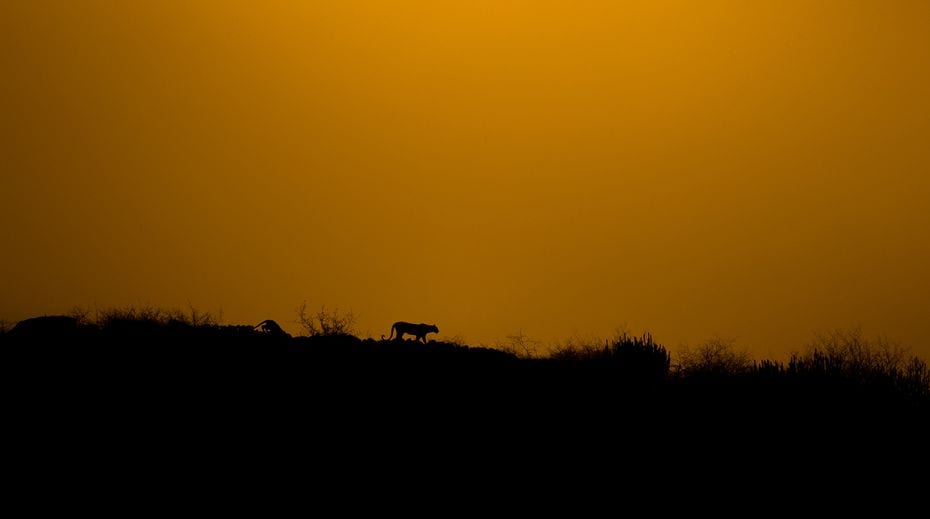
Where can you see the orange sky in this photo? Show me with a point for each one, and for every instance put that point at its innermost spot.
(752, 169)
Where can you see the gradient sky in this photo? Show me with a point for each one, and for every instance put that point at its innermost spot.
(758, 170)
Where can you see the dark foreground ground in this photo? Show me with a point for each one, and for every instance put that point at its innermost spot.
(231, 396)
(158, 415)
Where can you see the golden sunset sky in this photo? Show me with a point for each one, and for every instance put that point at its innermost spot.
(757, 170)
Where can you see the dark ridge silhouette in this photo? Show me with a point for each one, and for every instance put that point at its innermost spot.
(585, 399)
(50, 327)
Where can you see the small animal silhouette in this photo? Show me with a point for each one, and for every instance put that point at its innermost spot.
(271, 327)
(417, 330)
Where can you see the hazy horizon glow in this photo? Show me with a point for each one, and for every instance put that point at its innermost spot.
(754, 170)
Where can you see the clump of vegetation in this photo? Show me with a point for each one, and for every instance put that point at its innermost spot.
(456, 340)
(521, 346)
(325, 322)
(640, 355)
(841, 361)
(579, 349)
(635, 357)
(852, 358)
(147, 315)
(717, 357)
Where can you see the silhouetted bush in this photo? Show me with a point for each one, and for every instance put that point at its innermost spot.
(914, 378)
(325, 322)
(631, 357)
(147, 315)
(579, 349)
(715, 358)
(849, 358)
(640, 356)
(519, 345)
